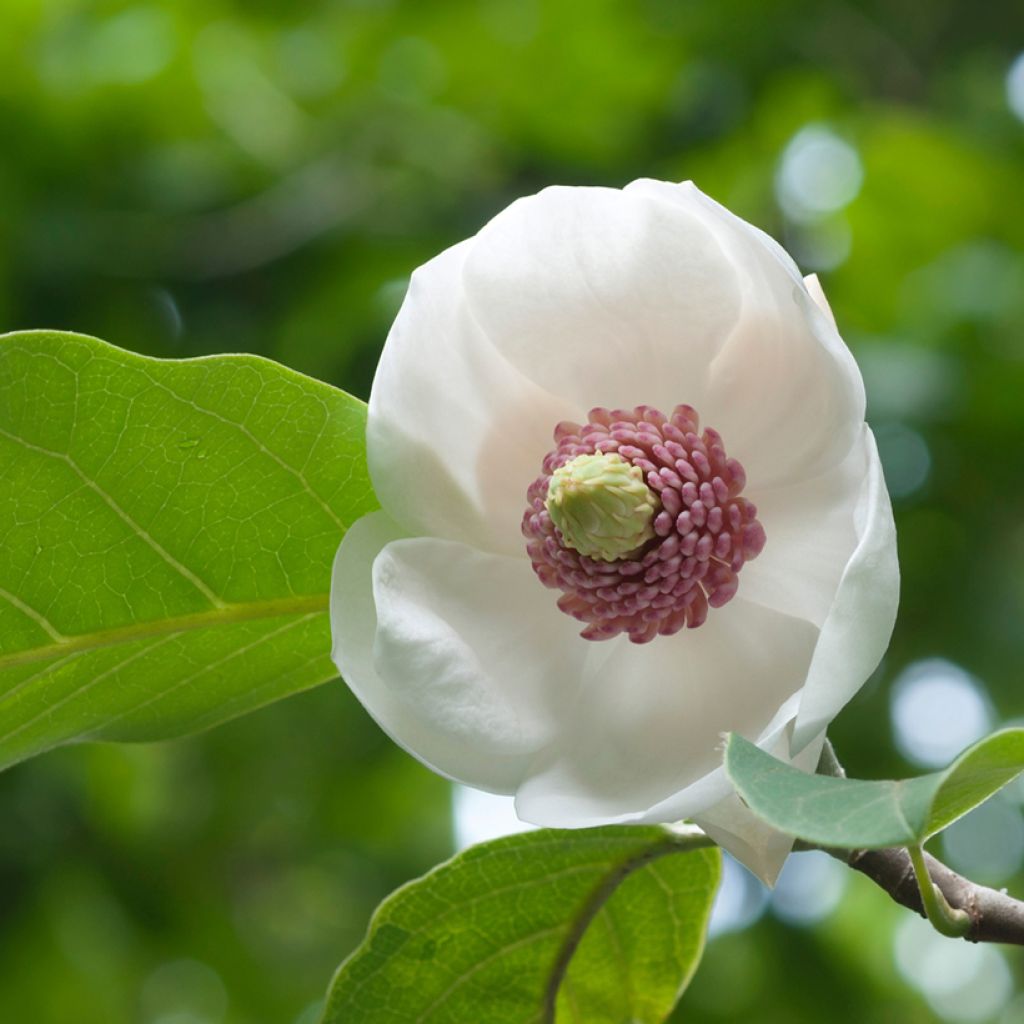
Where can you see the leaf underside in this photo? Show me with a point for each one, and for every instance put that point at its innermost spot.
(491, 936)
(166, 536)
(858, 814)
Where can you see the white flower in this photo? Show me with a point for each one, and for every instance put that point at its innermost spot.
(572, 299)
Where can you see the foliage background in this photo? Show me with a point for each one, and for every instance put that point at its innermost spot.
(189, 177)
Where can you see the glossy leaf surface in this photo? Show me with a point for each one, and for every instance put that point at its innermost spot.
(593, 926)
(859, 814)
(166, 535)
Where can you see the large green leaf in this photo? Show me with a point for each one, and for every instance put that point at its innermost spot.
(166, 537)
(856, 814)
(599, 926)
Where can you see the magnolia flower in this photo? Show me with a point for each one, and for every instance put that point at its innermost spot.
(629, 502)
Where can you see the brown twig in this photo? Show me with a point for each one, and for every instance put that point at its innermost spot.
(995, 916)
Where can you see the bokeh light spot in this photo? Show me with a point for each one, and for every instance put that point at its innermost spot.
(183, 992)
(242, 98)
(809, 888)
(987, 845)
(819, 173)
(937, 710)
(1015, 86)
(478, 816)
(962, 983)
(907, 380)
(131, 47)
(820, 244)
(741, 899)
(905, 457)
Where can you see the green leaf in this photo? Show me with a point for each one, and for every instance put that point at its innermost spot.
(856, 814)
(598, 926)
(166, 537)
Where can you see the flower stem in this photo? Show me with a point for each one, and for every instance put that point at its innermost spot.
(944, 918)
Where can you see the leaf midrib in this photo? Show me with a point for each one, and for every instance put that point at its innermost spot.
(592, 906)
(227, 614)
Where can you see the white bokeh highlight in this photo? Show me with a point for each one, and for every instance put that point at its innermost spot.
(962, 983)
(937, 710)
(740, 901)
(1015, 86)
(907, 380)
(478, 817)
(906, 458)
(819, 174)
(809, 889)
(987, 845)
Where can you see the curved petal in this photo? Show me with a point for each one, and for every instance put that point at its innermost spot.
(603, 297)
(455, 433)
(735, 828)
(582, 297)
(817, 293)
(812, 534)
(451, 652)
(648, 724)
(860, 621)
(783, 391)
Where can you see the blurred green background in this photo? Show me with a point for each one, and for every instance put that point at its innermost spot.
(189, 177)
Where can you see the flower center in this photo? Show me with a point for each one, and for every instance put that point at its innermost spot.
(637, 518)
(601, 506)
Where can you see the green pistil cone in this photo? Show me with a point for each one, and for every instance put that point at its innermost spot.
(601, 506)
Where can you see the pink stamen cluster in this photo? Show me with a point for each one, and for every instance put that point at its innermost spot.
(704, 531)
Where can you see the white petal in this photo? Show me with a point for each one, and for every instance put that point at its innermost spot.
(735, 828)
(860, 621)
(817, 293)
(784, 390)
(455, 433)
(715, 788)
(457, 654)
(812, 533)
(604, 297)
(648, 725)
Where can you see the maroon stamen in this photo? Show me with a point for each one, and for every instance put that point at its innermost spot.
(704, 531)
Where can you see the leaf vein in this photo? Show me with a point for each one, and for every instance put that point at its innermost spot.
(235, 653)
(137, 528)
(36, 616)
(526, 940)
(84, 688)
(250, 436)
(226, 615)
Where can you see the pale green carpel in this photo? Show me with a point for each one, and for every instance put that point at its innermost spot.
(601, 505)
